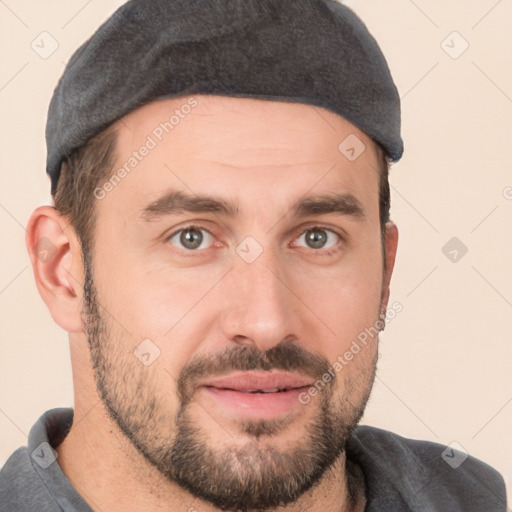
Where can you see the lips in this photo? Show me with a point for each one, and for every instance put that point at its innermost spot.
(254, 395)
(267, 382)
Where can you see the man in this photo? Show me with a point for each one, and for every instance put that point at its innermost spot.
(221, 255)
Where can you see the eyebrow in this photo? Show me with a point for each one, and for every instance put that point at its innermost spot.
(175, 202)
(179, 202)
(343, 204)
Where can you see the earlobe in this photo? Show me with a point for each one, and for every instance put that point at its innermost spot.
(55, 255)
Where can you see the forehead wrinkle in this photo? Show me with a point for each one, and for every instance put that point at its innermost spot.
(260, 165)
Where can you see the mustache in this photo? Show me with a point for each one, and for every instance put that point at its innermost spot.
(284, 356)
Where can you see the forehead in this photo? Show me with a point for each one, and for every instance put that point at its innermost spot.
(242, 147)
(302, 129)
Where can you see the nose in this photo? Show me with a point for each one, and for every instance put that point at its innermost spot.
(261, 308)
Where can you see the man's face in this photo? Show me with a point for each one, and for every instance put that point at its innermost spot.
(208, 323)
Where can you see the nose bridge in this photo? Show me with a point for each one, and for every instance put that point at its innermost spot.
(262, 310)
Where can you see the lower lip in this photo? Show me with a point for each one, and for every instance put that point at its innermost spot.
(256, 405)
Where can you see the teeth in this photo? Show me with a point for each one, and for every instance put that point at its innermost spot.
(271, 390)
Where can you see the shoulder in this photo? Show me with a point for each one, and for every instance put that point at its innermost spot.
(31, 479)
(423, 475)
(20, 486)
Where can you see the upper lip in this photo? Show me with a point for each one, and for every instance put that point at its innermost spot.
(251, 381)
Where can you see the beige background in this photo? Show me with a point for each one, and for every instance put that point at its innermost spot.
(446, 359)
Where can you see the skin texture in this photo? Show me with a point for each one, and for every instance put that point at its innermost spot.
(293, 309)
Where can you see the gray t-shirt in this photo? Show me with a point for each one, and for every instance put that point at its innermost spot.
(401, 475)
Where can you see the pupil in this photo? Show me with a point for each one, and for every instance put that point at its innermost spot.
(191, 238)
(316, 238)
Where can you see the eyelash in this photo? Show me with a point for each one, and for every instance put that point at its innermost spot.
(321, 252)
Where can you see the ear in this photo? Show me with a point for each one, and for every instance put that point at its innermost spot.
(391, 245)
(56, 257)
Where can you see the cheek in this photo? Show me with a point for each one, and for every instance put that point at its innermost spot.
(147, 296)
(170, 308)
(349, 290)
(345, 301)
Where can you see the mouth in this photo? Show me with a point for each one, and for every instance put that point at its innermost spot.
(256, 395)
(256, 391)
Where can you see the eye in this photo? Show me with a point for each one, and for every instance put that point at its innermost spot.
(191, 238)
(318, 238)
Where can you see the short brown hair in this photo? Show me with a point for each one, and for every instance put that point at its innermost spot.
(80, 174)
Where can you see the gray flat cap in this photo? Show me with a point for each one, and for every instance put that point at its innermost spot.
(316, 52)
